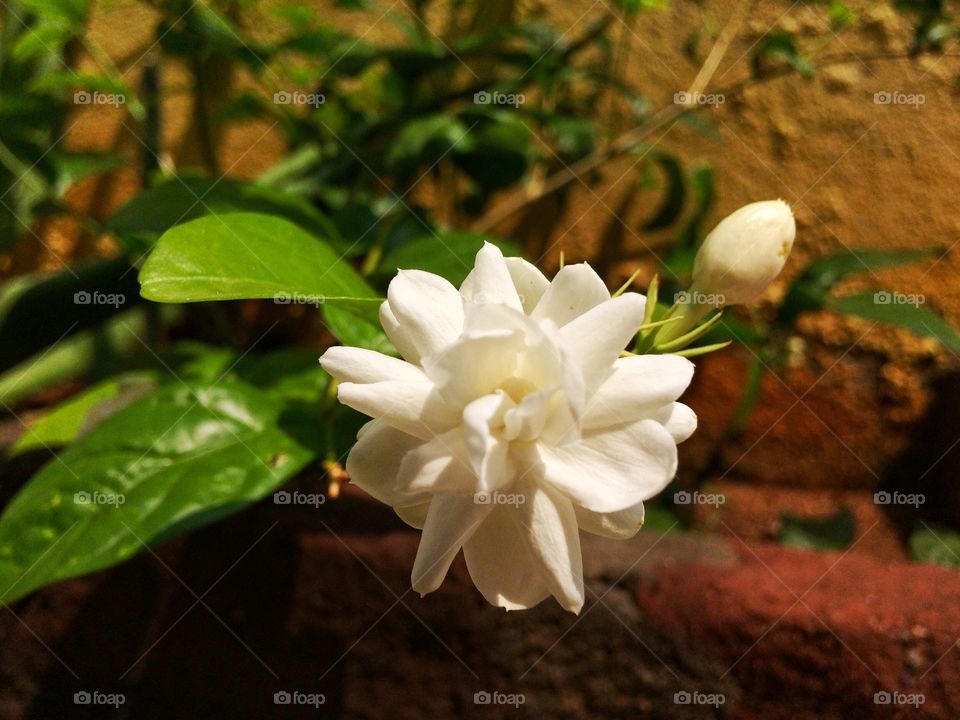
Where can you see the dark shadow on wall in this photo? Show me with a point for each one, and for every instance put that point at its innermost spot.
(930, 464)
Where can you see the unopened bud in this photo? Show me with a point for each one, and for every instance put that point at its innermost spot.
(744, 253)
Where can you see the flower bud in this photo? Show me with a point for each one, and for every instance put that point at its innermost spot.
(744, 253)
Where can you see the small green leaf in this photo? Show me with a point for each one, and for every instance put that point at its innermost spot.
(780, 45)
(830, 533)
(936, 546)
(172, 461)
(247, 255)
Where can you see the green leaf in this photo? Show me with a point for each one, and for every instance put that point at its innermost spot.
(936, 546)
(780, 45)
(809, 289)
(76, 355)
(247, 255)
(291, 373)
(659, 519)
(830, 533)
(37, 311)
(176, 459)
(900, 310)
(176, 201)
(426, 140)
(674, 194)
(449, 253)
(358, 332)
(82, 412)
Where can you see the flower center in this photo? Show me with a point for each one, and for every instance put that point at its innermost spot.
(517, 388)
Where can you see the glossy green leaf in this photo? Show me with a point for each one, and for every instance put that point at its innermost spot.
(176, 459)
(82, 412)
(247, 255)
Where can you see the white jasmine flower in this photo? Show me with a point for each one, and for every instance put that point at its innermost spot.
(744, 253)
(512, 421)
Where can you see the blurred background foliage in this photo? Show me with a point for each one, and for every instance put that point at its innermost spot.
(407, 153)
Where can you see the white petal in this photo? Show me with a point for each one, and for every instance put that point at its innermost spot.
(679, 420)
(543, 361)
(502, 563)
(440, 465)
(596, 338)
(490, 281)
(617, 525)
(400, 338)
(374, 463)
(451, 521)
(350, 364)
(529, 282)
(574, 290)
(415, 515)
(475, 364)
(483, 421)
(526, 421)
(428, 310)
(639, 387)
(555, 540)
(610, 470)
(415, 408)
